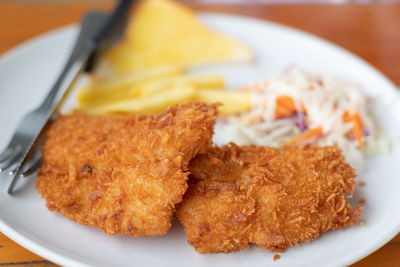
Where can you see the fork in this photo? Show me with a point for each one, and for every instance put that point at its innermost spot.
(17, 151)
(98, 32)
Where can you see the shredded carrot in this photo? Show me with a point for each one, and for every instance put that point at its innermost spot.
(346, 117)
(285, 106)
(357, 126)
(310, 134)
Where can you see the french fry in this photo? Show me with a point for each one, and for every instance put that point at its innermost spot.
(234, 102)
(90, 95)
(124, 85)
(153, 104)
(119, 94)
(153, 90)
(211, 82)
(206, 81)
(161, 85)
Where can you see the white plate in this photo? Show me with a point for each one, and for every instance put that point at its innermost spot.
(27, 72)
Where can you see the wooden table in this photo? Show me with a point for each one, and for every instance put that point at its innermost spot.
(371, 31)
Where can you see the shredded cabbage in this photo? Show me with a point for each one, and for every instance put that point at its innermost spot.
(320, 101)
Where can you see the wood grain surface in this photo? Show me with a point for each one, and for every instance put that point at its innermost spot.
(371, 31)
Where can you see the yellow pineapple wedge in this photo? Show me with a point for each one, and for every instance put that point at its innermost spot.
(164, 32)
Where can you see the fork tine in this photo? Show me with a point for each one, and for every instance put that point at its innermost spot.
(7, 163)
(36, 165)
(13, 169)
(8, 153)
(5, 154)
(31, 159)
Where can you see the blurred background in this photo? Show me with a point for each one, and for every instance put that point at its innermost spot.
(291, 1)
(238, 1)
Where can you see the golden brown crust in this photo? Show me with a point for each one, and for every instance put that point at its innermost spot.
(271, 197)
(123, 174)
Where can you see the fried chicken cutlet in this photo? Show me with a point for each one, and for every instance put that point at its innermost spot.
(270, 197)
(123, 174)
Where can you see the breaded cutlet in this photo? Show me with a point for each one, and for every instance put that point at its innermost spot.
(123, 174)
(270, 197)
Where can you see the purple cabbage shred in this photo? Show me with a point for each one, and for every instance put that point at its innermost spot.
(299, 120)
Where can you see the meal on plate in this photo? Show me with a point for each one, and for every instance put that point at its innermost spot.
(277, 171)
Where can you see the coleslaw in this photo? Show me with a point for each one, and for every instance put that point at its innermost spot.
(299, 107)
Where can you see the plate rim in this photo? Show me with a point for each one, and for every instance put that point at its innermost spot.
(59, 258)
(5, 229)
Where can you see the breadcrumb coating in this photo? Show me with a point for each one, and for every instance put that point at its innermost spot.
(123, 174)
(270, 197)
